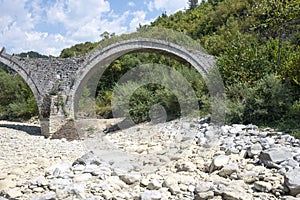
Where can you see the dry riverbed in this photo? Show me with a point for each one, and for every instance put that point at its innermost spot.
(182, 159)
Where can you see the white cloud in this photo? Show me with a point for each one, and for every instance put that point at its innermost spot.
(131, 4)
(35, 36)
(82, 20)
(74, 14)
(49, 26)
(138, 18)
(15, 12)
(56, 13)
(86, 20)
(170, 6)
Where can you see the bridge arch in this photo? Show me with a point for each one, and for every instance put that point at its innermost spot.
(98, 61)
(12, 63)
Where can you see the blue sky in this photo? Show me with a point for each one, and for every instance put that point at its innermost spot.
(48, 26)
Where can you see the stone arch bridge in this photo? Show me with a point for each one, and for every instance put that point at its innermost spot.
(57, 83)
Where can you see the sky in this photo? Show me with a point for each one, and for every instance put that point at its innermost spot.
(48, 26)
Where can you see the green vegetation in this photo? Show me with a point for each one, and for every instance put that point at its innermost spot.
(257, 47)
(17, 100)
(193, 4)
(256, 44)
(296, 134)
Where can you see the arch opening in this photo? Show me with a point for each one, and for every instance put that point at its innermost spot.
(97, 66)
(18, 100)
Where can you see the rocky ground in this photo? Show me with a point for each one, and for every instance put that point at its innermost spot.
(182, 159)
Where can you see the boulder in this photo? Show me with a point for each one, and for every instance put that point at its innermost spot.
(204, 187)
(254, 149)
(49, 196)
(151, 195)
(263, 186)
(267, 142)
(14, 193)
(275, 155)
(292, 181)
(130, 178)
(290, 164)
(218, 162)
(232, 192)
(228, 169)
(204, 195)
(88, 158)
(171, 182)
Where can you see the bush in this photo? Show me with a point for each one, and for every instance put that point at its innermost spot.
(147, 96)
(143, 99)
(17, 100)
(290, 121)
(263, 103)
(296, 134)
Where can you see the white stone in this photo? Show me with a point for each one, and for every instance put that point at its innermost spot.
(130, 178)
(263, 186)
(204, 187)
(292, 181)
(254, 149)
(14, 193)
(228, 169)
(275, 155)
(151, 195)
(82, 177)
(154, 185)
(218, 162)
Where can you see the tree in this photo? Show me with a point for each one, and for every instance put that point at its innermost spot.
(32, 54)
(193, 4)
(106, 35)
(17, 100)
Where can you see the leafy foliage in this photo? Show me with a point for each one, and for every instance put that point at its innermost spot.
(257, 48)
(265, 102)
(256, 43)
(193, 4)
(32, 54)
(78, 49)
(147, 96)
(17, 100)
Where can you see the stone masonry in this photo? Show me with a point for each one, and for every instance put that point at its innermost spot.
(57, 83)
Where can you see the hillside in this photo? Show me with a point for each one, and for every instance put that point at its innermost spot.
(256, 44)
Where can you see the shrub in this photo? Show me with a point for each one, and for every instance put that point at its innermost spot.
(17, 100)
(265, 102)
(290, 121)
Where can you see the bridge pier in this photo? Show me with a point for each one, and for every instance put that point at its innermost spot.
(53, 114)
(45, 127)
(54, 124)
